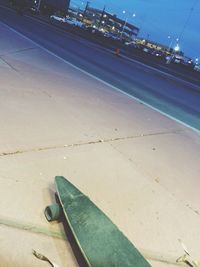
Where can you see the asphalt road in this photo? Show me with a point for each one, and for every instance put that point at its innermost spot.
(170, 95)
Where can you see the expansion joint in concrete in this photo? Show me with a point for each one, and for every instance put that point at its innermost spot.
(108, 140)
(12, 67)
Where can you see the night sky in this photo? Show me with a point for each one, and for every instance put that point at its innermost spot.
(162, 21)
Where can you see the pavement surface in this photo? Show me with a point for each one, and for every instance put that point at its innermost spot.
(140, 167)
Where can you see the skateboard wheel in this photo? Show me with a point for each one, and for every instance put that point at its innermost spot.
(52, 212)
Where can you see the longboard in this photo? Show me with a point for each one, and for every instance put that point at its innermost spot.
(101, 243)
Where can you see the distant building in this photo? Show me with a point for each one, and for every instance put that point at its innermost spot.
(156, 46)
(107, 22)
(49, 6)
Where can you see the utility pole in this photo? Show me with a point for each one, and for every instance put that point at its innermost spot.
(38, 5)
(187, 20)
(102, 13)
(86, 7)
(125, 22)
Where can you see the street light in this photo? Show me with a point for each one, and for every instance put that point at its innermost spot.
(125, 22)
(171, 41)
(128, 14)
(177, 48)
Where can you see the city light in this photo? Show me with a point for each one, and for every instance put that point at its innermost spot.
(129, 14)
(177, 48)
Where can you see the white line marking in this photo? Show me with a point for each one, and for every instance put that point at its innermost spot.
(102, 81)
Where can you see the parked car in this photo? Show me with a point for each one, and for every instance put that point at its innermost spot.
(94, 31)
(131, 44)
(197, 68)
(158, 54)
(74, 22)
(188, 62)
(57, 18)
(146, 50)
(67, 20)
(177, 59)
(111, 36)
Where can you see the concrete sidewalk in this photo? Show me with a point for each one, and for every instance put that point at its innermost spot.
(141, 168)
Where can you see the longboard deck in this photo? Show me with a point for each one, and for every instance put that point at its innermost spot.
(100, 241)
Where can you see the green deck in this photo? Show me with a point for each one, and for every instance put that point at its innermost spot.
(101, 242)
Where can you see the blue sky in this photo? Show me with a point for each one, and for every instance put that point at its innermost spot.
(159, 19)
